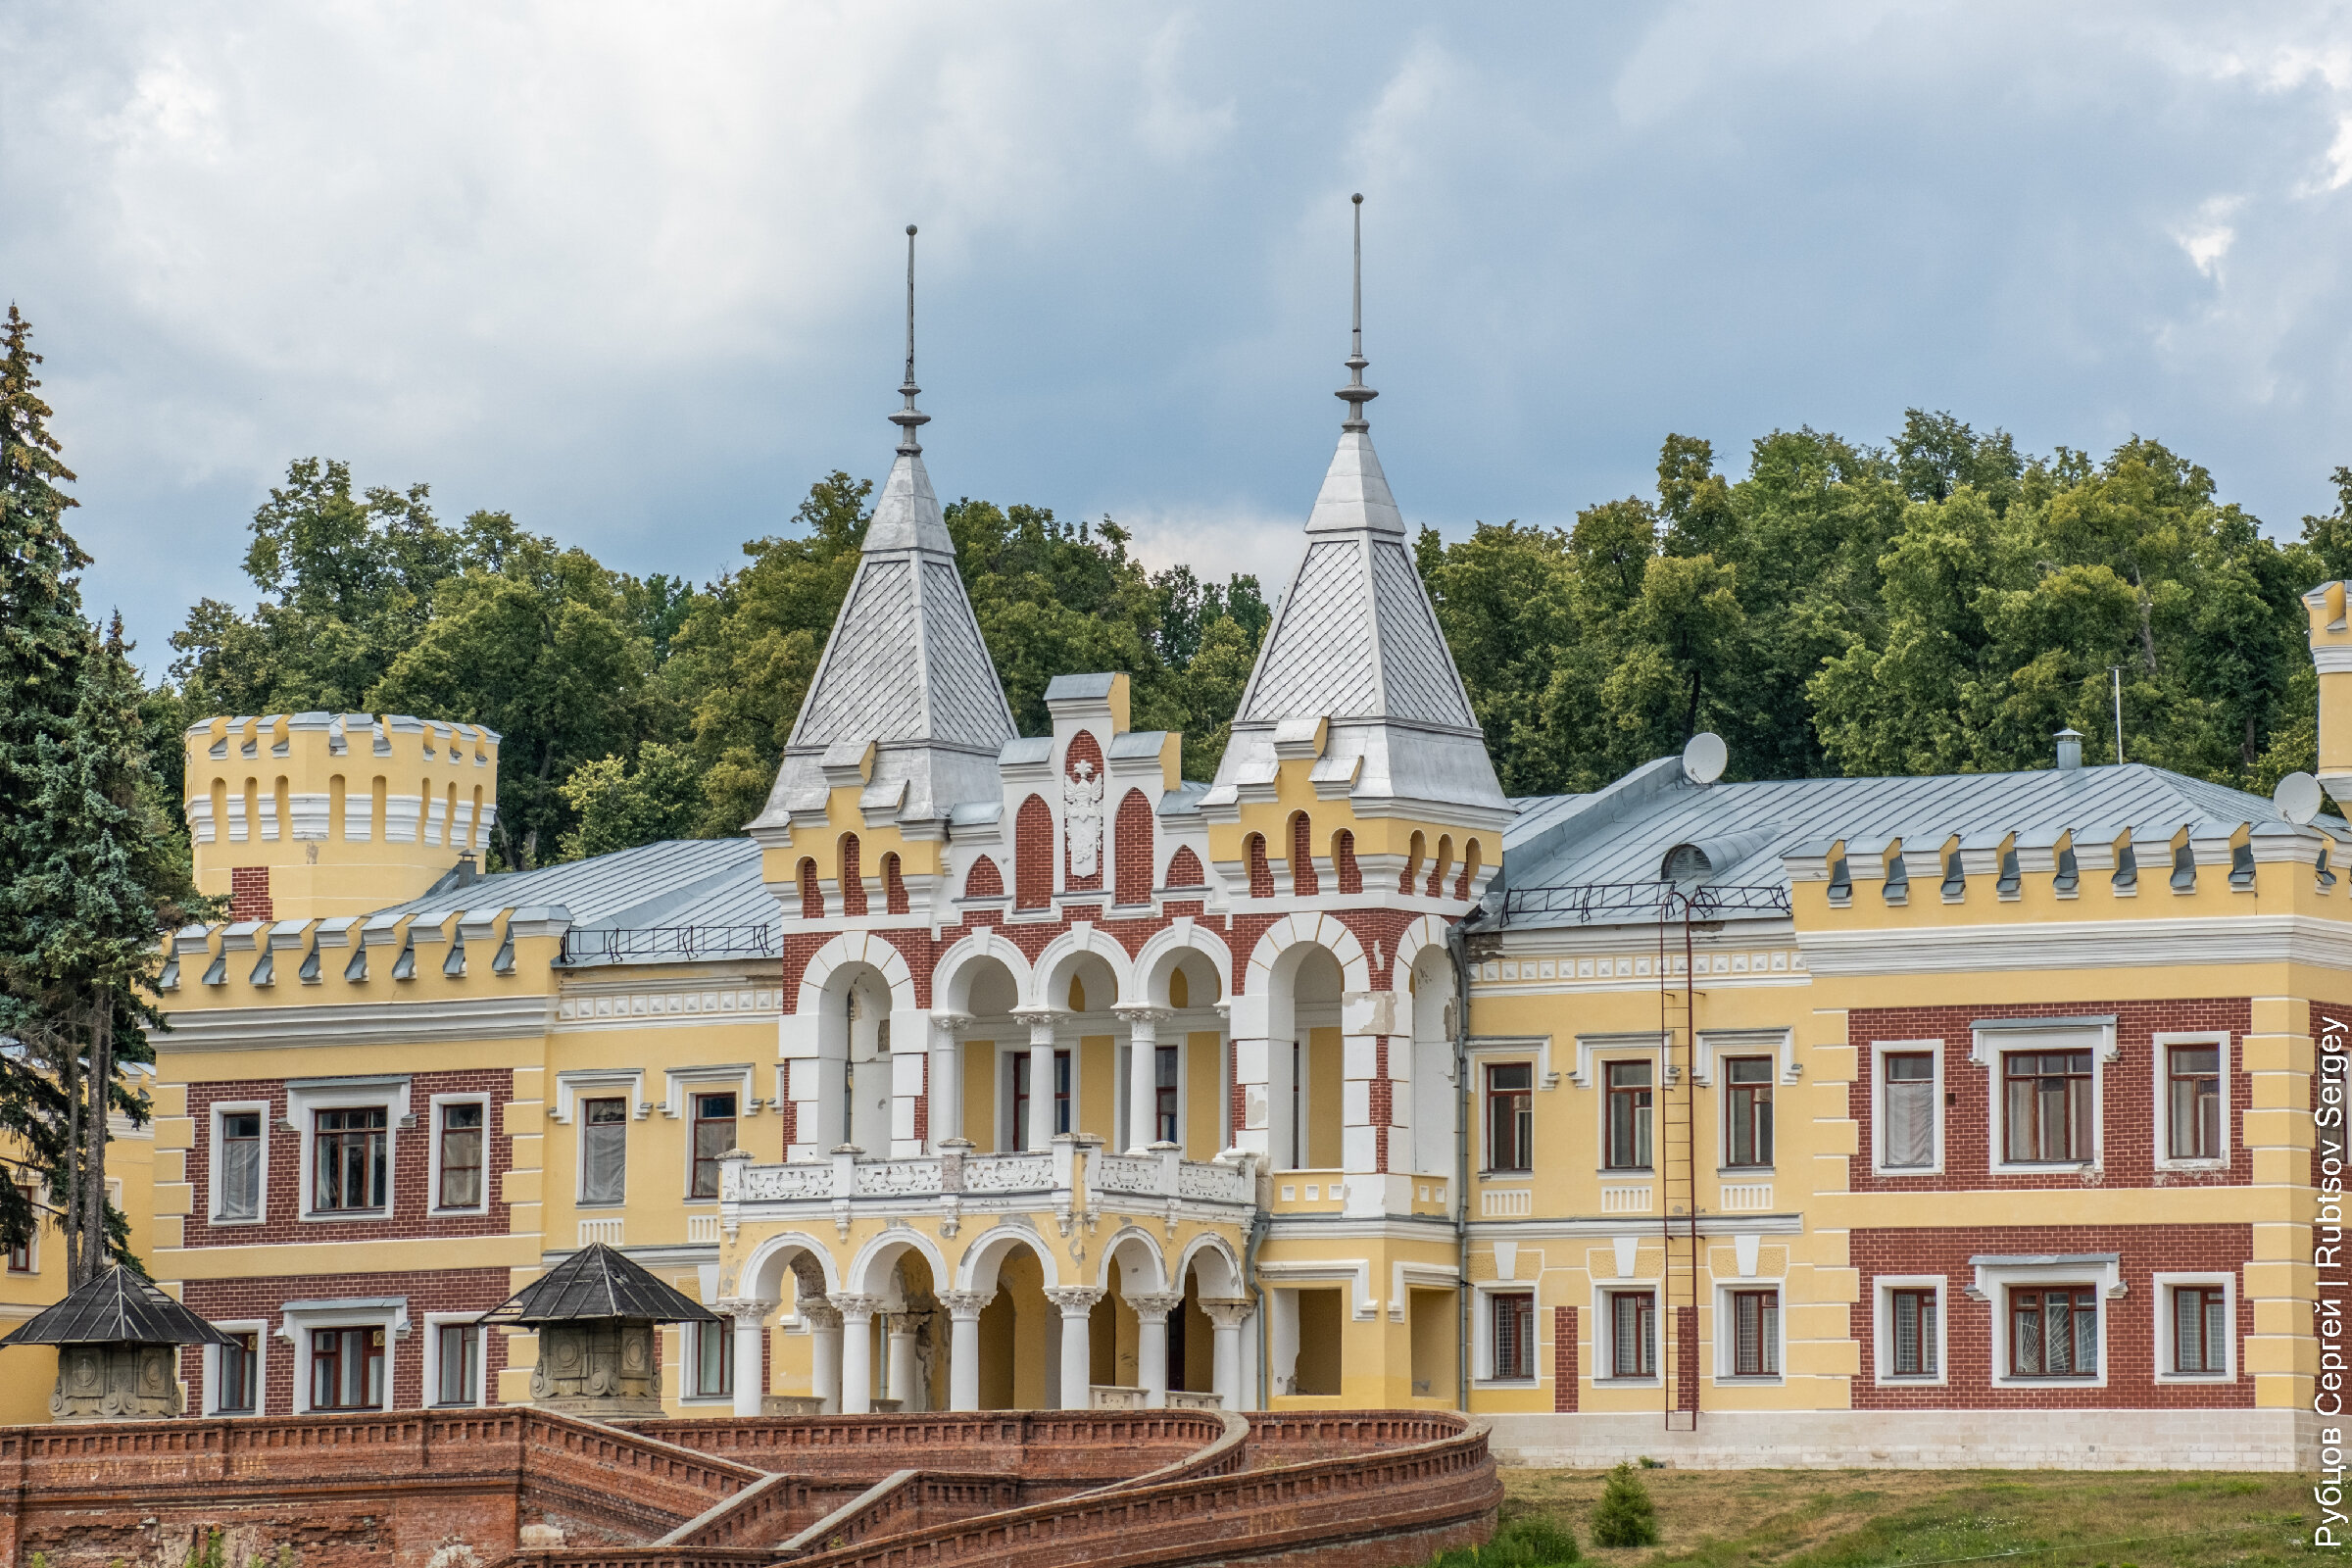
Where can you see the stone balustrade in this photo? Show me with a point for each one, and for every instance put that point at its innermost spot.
(1076, 1170)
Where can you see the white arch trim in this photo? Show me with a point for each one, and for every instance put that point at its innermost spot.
(776, 1251)
(987, 1253)
(1209, 1242)
(1182, 937)
(1319, 930)
(869, 1271)
(1412, 942)
(1129, 1237)
(855, 947)
(949, 974)
(1047, 977)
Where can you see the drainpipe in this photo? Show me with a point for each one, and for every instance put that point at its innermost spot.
(1458, 947)
(1259, 1223)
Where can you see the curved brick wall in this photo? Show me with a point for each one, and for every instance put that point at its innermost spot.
(1016, 1488)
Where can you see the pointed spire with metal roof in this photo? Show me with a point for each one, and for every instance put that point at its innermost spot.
(1355, 641)
(116, 1307)
(595, 1284)
(904, 669)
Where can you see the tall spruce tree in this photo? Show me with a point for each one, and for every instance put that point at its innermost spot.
(90, 866)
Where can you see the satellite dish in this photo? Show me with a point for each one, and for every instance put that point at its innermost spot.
(1704, 757)
(2298, 798)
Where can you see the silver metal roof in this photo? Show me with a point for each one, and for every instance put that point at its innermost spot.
(704, 884)
(1621, 834)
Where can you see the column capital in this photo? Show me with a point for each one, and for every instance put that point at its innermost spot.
(1142, 1023)
(1227, 1312)
(963, 1304)
(1042, 1022)
(1155, 1303)
(857, 1308)
(821, 1314)
(952, 1025)
(742, 1307)
(1075, 1301)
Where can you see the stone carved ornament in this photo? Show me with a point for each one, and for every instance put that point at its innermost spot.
(1082, 818)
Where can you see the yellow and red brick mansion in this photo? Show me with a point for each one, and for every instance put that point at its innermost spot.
(1955, 1120)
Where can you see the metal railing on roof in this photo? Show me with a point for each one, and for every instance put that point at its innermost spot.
(1645, 901)
(611, 942)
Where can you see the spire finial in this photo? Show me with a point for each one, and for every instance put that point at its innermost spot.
(909, 417)
(1355, 394)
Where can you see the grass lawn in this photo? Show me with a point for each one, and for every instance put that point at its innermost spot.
(1863, 1518)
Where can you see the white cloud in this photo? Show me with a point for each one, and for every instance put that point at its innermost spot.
(2207, 238)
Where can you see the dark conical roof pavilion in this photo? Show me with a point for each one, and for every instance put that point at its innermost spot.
(116, 1307)
(597, 1282)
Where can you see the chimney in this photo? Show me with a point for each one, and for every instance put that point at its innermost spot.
(2331, 657)
(2070, 750)
(467, 869)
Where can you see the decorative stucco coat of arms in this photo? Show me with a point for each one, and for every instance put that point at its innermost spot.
(1082, 818)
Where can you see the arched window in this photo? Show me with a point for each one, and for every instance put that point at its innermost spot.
(893, 885)
(984, 880)
(1413, 865)
(1184, 869)
(1342, 861)
(1262, 875)
(1033, 855)
(1133, 850)
(1441, 863)
(1303, 880)
(1470, 863)
(852, 878)
(812, 897)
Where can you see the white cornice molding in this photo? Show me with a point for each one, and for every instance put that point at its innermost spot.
(2082, 944)
(367, 1023)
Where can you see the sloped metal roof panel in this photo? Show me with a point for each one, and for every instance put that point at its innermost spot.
(598, 1282)
(116, 1307)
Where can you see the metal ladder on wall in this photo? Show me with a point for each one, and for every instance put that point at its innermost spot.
(1678, 1165)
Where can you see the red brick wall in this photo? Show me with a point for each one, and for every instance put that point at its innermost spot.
(813, 892)
(1686, 1359)
(852, 878)
(1563, 1358)
(1033, 855)
(1303, 880)
(1184, 869)
(462, 1290)
(411, 1160)
(1342, 861)
(1082, 748)
(893, 885)
(1133, 849)
(1262, 874)
(2143, 1250)
(984, 880)
(2129, 1129)
(249, 893)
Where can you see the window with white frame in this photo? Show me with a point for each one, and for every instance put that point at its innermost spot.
(2043, 1105)
(2049, 1316)
(1630, 1320)
(1511, 1335)
(712, 1366)
(2196, 1328)
(713, 1134)
(1510, 1116)
(343, 1351)
(1909, 1344)
(348, 1128)
(2192, 1099)
(240, 1162)
(461, 1149)
(233, 1373)
(1754, 1345)
(1626, 1127)
(453, 1365)
(603, 1123)
(1746, 1110)
(1906, 1106)
(25, 1256)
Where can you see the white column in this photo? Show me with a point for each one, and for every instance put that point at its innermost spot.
(1076, 1301)
(1040, 1084)
(857, 1352)
(946, 1079)
(1247, 1023)
(1227, 1318)
(1143, 1076)
(1151, 1312)
(898, 1369)
(964, 1346)
(751, 1338)
(824, 1352)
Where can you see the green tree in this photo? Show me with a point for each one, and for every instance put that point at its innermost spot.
(618, 805)
(1625, 1515)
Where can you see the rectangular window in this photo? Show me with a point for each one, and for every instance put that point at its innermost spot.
(1911, 1314)
(1629, 1115)
(1907, 1101)
(1510, 1117)
(604, 1151)
(2201, 1329)
(1514, 1325)
(1748, 1110)
(714, 1136)
(1163, 1093)
(2054, 1332)
(238, 1365)
(1061, 1092)
(2193, 1096)
(457, 1364)
(19, 1256)
(713, 1360)
(1755, 1334)
(240, 1165)
(2046, 1106)
(347, 1369)
(1021, 1096)
(1633, 1334)
(351, 1160)
(461, 1155)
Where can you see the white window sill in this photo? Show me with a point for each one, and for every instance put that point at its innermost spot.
(1505, 1383)
(347, 1217)
(2205, 1166)
(1907, 1170)
(1752, 1380)
(456, 1213)
(707, 1402)
(1628, 1382)
(2049, 1383)
(2048, 1167)
(1743, 1173)
(2209, 1378)
(223, 1222)
(1910, 1380)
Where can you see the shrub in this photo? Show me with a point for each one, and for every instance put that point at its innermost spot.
(1531, 1542)
(1625, 1516)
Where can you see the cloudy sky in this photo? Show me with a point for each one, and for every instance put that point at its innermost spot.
(633, 271)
